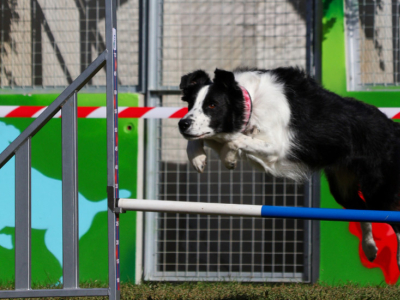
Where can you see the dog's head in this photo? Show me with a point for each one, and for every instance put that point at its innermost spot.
(214, 106)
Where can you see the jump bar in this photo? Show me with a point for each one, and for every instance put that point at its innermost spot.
(262, 211)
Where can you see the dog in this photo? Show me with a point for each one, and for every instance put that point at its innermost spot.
(285, 123)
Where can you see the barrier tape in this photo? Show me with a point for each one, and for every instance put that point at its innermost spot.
(98, 112)
(129, 112)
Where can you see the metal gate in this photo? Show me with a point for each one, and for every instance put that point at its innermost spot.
(189, 35)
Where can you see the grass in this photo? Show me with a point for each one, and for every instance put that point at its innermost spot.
(235, 290)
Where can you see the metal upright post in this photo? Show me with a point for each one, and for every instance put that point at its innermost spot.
(308, 185)
(112, 149)
(151, 155)
(23, 216)
(143, 45)
(70, 193)
(311, 188)
(317, 60)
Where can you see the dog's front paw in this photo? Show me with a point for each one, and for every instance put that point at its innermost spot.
(229, 155)
(253, 131)
(370, 249)
(199, 163)
(230, 160)
(197, 155)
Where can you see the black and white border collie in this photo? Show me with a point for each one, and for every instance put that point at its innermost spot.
(283, 122)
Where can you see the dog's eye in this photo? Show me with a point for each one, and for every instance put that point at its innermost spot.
(193, 82)
(212, 105)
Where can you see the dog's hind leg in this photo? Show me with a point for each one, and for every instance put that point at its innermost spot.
(381, 189)
(368, 243)
(343, 185)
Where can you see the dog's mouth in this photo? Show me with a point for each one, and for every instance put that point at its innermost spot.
(195, 137)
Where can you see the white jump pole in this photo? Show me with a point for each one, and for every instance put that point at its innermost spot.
(261, 211)
(203, 208)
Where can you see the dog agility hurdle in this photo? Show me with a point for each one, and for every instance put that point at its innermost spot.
(260, 211)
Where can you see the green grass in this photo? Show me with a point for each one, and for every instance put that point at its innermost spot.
(235, 290)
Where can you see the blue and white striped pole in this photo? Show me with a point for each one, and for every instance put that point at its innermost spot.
(263, 211)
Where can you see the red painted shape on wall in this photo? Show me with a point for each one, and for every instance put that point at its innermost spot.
(386, 242)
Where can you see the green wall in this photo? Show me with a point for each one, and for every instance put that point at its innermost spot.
(92, 159)
(340, 260)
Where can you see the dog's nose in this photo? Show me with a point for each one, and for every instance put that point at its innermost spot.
(184, 124)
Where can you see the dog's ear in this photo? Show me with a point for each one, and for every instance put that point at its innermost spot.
(224, 78)
(197, 78)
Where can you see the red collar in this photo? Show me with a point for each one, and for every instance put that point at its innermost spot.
(248, 108)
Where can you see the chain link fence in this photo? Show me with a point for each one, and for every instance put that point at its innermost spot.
(224, 34)
(46, 44)
(228, 34)
(373, 34)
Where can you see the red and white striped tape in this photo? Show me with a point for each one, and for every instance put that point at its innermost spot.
(97, 112)
(128, 112)
(391, 112)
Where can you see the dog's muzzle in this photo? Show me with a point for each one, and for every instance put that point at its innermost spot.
(184, 125)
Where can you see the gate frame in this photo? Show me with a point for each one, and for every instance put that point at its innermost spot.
(154, 91)
(21, 148)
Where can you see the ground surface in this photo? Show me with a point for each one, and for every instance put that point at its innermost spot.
(234, 290)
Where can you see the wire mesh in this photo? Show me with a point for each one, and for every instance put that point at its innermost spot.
(227, 34)
(375, 58)
(48, 43)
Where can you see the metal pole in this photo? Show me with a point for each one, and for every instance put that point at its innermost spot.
(315, 189)
(308, 200)
(112, 149)
(23, 216)
(261, 211)
(151, 142)
(70, 193)
(143, 43)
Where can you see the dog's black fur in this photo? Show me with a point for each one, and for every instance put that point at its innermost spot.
(356, 145)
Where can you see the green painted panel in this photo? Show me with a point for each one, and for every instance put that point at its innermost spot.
(340, 261)
(46, 175)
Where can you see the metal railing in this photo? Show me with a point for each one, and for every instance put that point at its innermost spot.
(21, 149)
